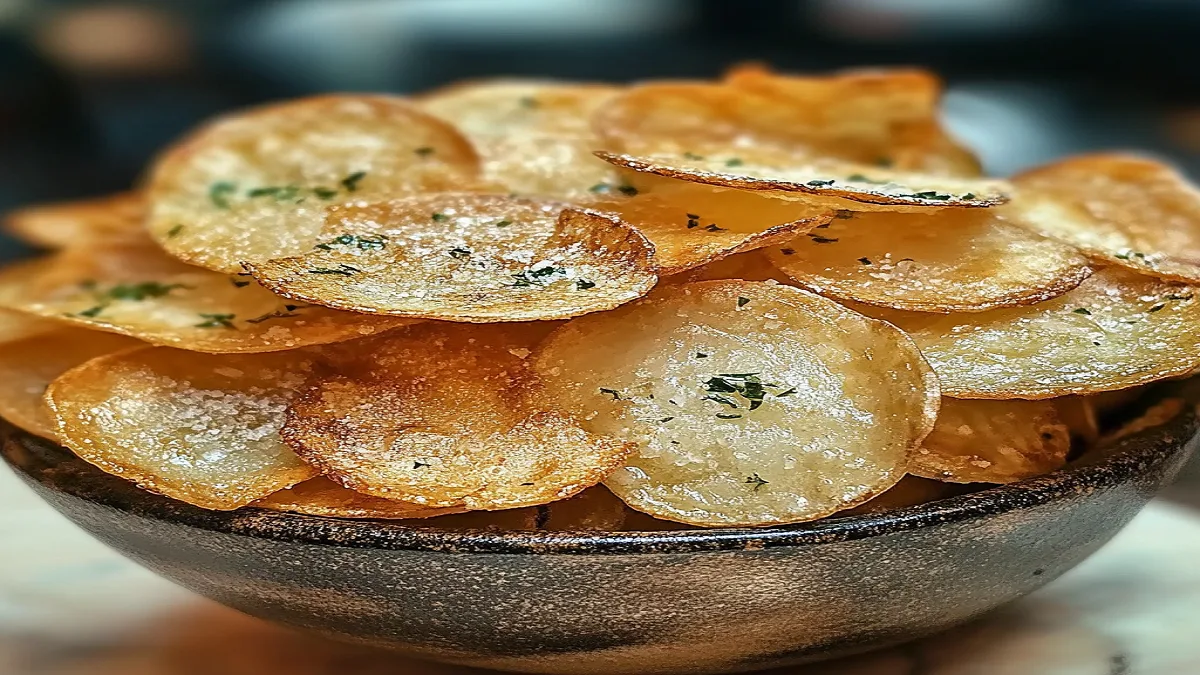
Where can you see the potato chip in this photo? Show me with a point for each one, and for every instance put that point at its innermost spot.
(468, 257)
(253, 186)
(1109, 403)
(30, 365)
(1080, 415)
(883, 117)
(200, 428)
(1156, 415)
(594, 509)
(993, 442)
(323, 497)
(751, 403)
(821, 181)
(534, 136)
(135, 290)
(1116, 330)
(691, 225)
(951, 260)
(18, 326)
(119, 217)
(1119, 209)
(910, 491)
(434, 416)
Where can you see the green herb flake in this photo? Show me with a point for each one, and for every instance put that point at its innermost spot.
(422, 152)
(666, 419)
(341, 270)
(969, 196)
(324, 193)
(616, 395)
(238, 283)
(174, 231)
(693, 156)
(503, 223)
(528, 102)
(1082, 310)
(931, 195)
(460, 253)
(418, 464)
(1158, 308)
(627, 190)
(787, 251)
(701, 355)
(820, 183)
(584, 284)
(92, 312)
(141, 291)
(286, 312)
(742, 302)
(220, 192)
(439, 217)
(600, 188)
(216, 321)
(865, 260)
(756, 481)
(728, 416)
(714, 228)
(789, 392)
(818, 239)
(733, 162)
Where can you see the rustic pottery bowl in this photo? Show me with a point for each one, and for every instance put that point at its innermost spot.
(659, 602)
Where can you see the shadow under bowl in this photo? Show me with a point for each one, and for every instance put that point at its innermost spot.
(700, 601)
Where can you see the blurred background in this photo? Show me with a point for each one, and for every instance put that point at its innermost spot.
(90, 89)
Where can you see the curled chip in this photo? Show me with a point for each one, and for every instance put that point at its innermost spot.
(1156, 415)
(383, 426)
(468, 257)
(119, 217)
(137, 291)
(1120, 210)
(200, 428)
(1118, 329)
(993, 442)
(254, 186)
(534, 137)
(691, 225)
(751, 403)
(885, 117)
(1080, 415)
(30, 365)
(323, 497)
(821, 181)
(950, 260)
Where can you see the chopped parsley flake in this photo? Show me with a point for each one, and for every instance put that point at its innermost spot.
(139, 292)
(538, 276)
(460, 253)
(746, 385)
(220, 192)
(714, 228)
(969, 196)
(627, 190)
(238, 283)
(701, 355)
(418, 464)
(616, 395)
(1082, 310)
(503, 223)
(865, 260)
(742, 301)
(174, 231)
(728, 416)
(931, 195)
(528, 102)
(756, 481)
(1158, 308)
(818, 239)
(324, 192)
(287, 311)
(440, 217)
(787, 251)
(424, 151)
(666, 419)
(820, 183)
(733, 161)
(789, 392)
(364, 243)
(341, 270)
(584, 284)
(692, 156)
(216, 321)
(92, 312)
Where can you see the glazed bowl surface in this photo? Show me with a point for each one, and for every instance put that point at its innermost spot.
(693, 601)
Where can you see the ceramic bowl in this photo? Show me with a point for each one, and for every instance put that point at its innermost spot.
(701, 601)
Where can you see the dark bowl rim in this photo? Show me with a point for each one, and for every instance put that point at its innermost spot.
(1124, 462)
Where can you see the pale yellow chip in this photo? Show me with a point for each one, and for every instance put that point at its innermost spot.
(692, 225)
(826, 182)
(200, 428)
(323, 497)
(534, 136)
(751, 403)
(86, 222)
(910, 491)
(18, 325)
(887, 117)
(1119, 209)
(137, 291)
(30, 365)
(1116, 330)
(993, 442)
(468, 257)
(434, 416)
(254, 185)
(950, 260)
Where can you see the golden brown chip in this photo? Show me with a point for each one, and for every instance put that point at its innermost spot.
(691, 225)
(119, 217)
(1156, 415)
(993, 442)
(594, 509)
(434, 416)
(135, 290)
(323, 497)
(200, 428)
(1119, 209)
(882, 117)
(1116, 330)
(18, 326)
(821, 181)
(468, 257)
(950, 260)
(30, 365)
(534, 136)
(910, 491)
(253, 186)
(751, 403)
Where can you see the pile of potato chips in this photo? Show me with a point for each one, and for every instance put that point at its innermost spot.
(760, 300)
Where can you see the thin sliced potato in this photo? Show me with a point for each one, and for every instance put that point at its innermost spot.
(887, 117)
(323, 497)
(386, 428)
(200, 428)
(137, 291)
(1118, 329)
(468, 257)
(118, 217)
(1119, 209)
(691, 225)
(1156, 415)
(993, 442)
(18, 325)
(951, 260)
(1080, 415)
(30, 365)
(534, 136)
(822, 181)
(751, 403)
(254, 185)
(910, 491)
